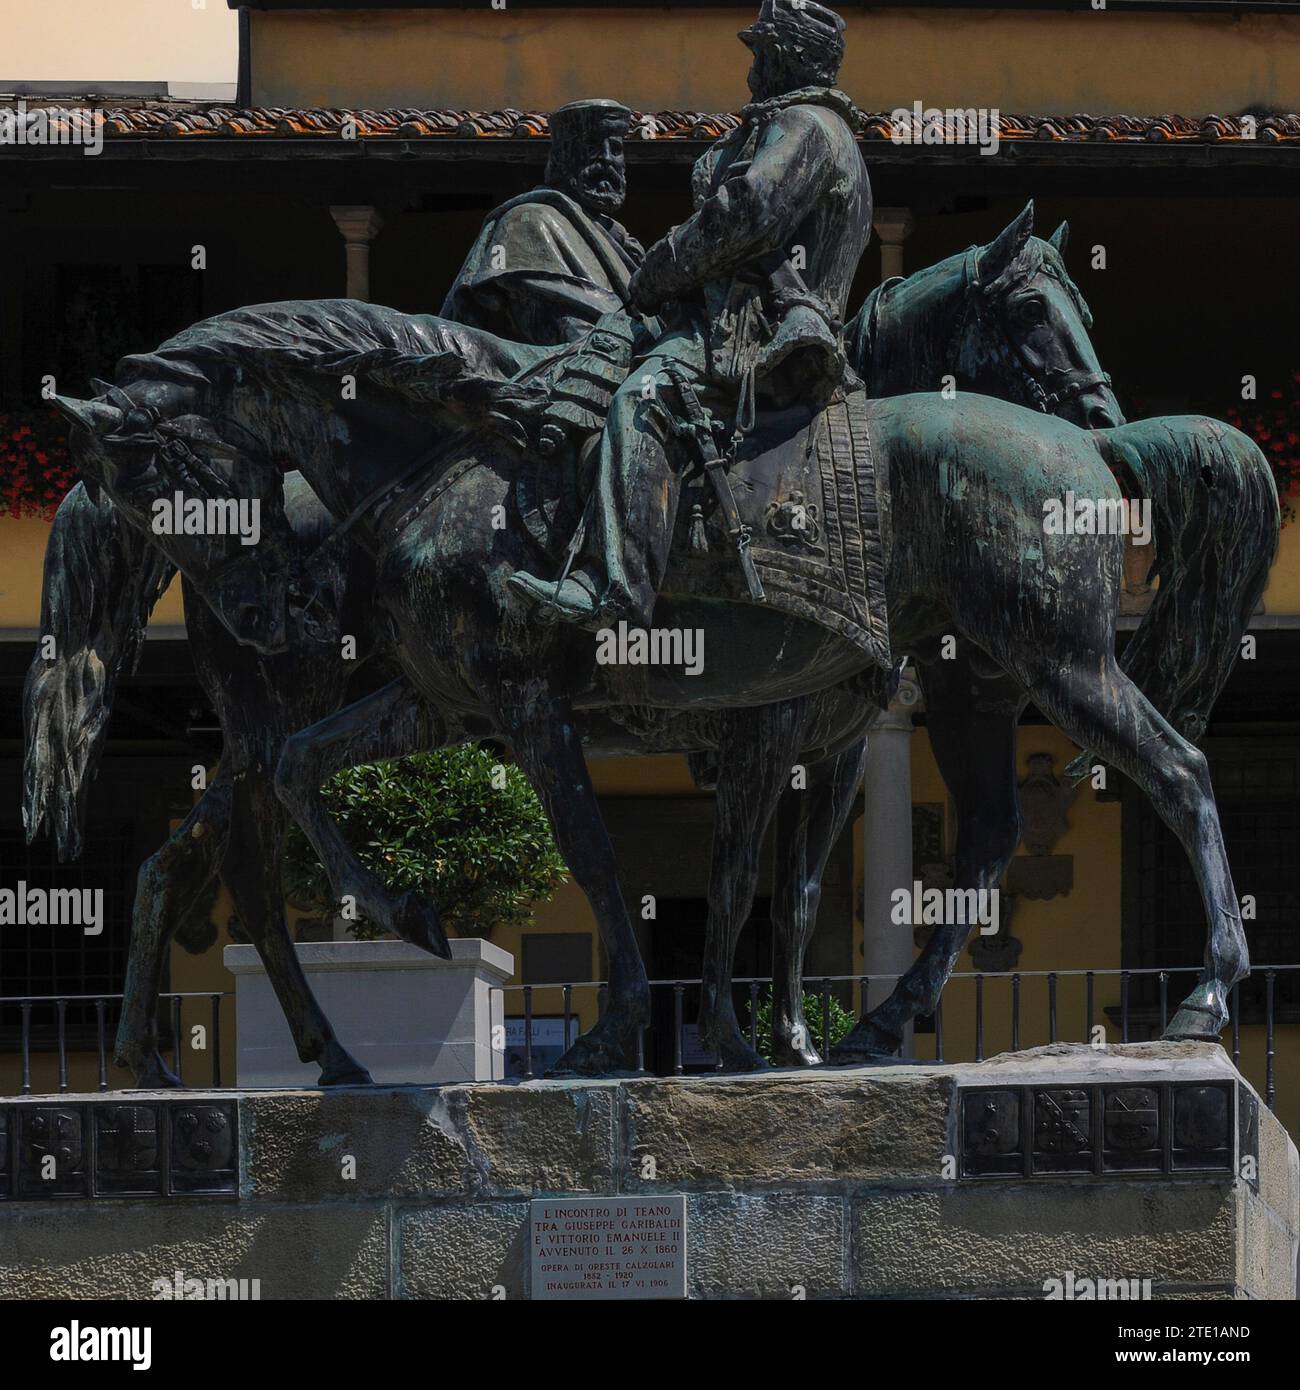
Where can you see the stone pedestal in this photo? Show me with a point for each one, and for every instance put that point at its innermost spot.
(1126, 1172)
(405, 1015)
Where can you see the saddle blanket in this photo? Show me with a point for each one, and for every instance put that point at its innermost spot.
(806, 487)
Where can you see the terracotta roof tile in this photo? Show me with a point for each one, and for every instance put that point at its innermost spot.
(191, 121)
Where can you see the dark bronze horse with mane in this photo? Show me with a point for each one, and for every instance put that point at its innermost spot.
(102, 579)
(968, 481)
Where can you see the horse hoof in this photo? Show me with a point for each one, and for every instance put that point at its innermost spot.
(787, 1055)
(340, 1068)
(156, 1075)
(354, 1075)
(866, 1043)
(416, 919)
(1194, 1024)
(738, 1056)
(599, 1052)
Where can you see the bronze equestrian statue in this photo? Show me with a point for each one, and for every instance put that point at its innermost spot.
(102, 579)
(214, 409)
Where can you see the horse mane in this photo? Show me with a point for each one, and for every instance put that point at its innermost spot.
(879, 333)
(102, 580)
(276, 340)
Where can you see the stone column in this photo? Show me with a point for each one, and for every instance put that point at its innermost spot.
(887, 842)
(893, 227)
(358, 226)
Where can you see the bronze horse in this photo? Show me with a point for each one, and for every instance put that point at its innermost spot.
(969, 478)
(102, 579)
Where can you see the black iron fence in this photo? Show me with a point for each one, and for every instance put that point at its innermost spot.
(979, 1015)
(76, 1025)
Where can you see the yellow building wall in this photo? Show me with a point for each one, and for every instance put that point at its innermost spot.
(1283, 592)
(22, 565)
(657, 59)
(195, 42)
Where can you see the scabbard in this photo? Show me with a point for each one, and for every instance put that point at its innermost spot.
(715, 467)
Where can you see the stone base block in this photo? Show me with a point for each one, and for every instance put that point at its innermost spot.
(1145, 1171)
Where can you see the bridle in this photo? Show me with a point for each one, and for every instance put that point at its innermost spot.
(1054, 387)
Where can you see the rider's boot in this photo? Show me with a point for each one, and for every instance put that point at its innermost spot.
(574, 600)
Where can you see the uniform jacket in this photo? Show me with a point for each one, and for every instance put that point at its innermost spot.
(791, 175)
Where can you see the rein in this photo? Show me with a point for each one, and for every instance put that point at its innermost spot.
(376, 498)
(1066, 386)
(374, 501)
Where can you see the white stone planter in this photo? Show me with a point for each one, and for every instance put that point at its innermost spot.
(403, 1014)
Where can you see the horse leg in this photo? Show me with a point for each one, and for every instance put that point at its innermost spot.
(757, 750)
(972, 728)
(808, 826)
(170, 882)
(390, 723)
(1105, 711)
(540, 729)
(252, 873)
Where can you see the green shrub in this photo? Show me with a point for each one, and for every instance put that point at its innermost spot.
(454, 823)
(841, 1021)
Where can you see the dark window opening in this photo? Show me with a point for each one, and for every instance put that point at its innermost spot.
(676, 952)
(1257, 788)
(61, 959)
(88, 316)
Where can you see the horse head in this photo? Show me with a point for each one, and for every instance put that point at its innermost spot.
(203, 493)
(1029, 321)
(1003, 320)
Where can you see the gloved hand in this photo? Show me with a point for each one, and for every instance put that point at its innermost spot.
(655, 279)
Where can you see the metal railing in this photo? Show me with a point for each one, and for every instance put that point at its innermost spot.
(672, 1048)
(26, 1003)
(1126, 1015)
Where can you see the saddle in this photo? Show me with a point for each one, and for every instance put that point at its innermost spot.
(791, 515)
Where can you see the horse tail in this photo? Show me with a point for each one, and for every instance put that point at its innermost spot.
(101, 582)
(1216, 525)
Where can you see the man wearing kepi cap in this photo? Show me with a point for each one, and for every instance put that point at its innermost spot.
(549, 263)
(751, 290)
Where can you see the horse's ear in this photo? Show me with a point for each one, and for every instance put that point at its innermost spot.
(94, 416)
(102, 388)
(98, 420)
(1002, 253)
(1060, 239)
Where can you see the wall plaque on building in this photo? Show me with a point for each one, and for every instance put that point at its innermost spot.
(608, 1247)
